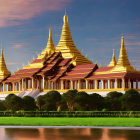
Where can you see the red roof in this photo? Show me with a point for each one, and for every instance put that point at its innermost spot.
(104, 76)
(80, 71)
(65, 61)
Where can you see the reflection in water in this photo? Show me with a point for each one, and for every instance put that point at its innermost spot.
(68, 134)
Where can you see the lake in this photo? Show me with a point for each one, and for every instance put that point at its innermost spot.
(68, 134)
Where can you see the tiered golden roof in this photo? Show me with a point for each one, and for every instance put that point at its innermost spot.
(113, 62)
(67, 47)
(49, 48)
(4, 72)
(123, 64)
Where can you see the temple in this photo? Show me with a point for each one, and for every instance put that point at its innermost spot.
(64, 67)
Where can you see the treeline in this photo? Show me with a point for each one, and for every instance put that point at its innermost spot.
(73, 100)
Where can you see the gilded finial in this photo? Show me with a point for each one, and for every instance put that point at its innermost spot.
(17, 68)
(65, 12)
(100, 65)
(96, 62)
(22, 65)
(113, 61)
(33, 58)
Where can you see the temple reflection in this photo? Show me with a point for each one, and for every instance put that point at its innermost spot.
(68, 134)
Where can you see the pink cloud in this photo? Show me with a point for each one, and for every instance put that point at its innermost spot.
(11, 63)
(133, 43)
(19, 45)
(14, 12)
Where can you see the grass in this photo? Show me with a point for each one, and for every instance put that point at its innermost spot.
(55, 121)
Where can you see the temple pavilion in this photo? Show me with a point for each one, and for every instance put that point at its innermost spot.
(64, 67)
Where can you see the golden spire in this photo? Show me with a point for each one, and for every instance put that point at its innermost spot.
(123, 64)
(66, 45)
(3, 69)
(113, 62)
(123, 58)
(49, 48)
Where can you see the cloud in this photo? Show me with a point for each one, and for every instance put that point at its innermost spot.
(14, 12)
(19, 45)
(11, 63)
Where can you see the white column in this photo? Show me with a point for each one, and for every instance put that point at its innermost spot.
(87, 84)
(22, 84)
(96, 84)
(3, 87)
(123, 83)
(102, 81)
(71, 84)
(13, 86)
(43, 82)
(62, 84)
(116, 83)
(109, 84)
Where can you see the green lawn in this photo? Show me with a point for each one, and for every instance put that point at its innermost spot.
(70, 121)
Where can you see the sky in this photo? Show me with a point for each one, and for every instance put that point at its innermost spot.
(96, 27)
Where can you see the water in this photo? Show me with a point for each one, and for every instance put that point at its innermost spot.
(68, 134)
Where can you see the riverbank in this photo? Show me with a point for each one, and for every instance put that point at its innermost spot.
(58, 121)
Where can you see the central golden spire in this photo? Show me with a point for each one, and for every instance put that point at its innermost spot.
(3, 69)
(113, 62)
(123, 64)
(67, 47)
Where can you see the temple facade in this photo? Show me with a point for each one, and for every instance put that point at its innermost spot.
(64, 67)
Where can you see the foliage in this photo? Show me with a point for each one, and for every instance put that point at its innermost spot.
(131, 100)
(70, 97)
(29, 103)
(96, 101)
(13, 102)
(40, 102)
(82, 101)
(113, 100)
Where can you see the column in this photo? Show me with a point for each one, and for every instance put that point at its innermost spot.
(87, 82)
(116, 83)
(3, 87)
(96, 84)
(71, 84)
(109, 84)
(43, 82)
(136, 84)
(79, 84)
(22, 81)
(13, 86)
(102, 82)
(129, 83)
(123, 83)
(62, 84)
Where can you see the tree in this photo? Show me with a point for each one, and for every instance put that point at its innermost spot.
(2, 106)
(82, 101)
(13, 102)
(52, 100)
(96, 102)
(131, 100)
(69, 96)
(29, 103)
(40, 102)
(113, 101)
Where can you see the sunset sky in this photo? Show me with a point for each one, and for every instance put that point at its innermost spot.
(96, 27)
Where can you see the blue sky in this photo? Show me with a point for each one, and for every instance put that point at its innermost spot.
(96, 27)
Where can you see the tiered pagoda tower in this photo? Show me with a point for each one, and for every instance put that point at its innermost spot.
(64, 67)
